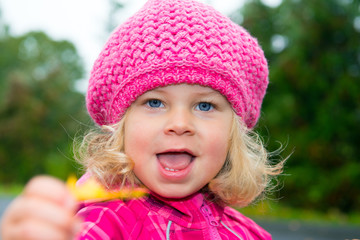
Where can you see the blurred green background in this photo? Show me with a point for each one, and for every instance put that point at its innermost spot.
(312, 105)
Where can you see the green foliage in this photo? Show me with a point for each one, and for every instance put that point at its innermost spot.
(313, 101)
(10, 190)
(40, 109)
(115, 8)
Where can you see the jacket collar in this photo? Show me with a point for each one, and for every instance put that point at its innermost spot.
(187, 211)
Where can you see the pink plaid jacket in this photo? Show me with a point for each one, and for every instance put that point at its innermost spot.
(156, 218)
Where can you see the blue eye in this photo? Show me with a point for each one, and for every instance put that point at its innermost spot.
(155, 103)
(204, 106)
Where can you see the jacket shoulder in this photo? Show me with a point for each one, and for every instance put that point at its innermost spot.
(110, 220)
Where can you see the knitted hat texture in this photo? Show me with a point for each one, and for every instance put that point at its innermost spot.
(172, 42)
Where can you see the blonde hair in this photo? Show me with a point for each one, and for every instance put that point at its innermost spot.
(244, 176)
(247, 171)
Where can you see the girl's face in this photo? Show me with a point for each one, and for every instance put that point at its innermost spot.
(178, 138)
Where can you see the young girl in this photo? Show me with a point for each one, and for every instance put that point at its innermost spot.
(176, 90)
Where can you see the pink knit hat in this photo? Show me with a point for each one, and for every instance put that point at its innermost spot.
(172, 42)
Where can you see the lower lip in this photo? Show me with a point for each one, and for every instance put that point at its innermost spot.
(175, 175)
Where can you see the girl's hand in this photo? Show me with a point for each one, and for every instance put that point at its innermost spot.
(45, 210)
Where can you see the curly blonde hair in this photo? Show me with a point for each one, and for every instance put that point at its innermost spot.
(247, 171)
(245, 174)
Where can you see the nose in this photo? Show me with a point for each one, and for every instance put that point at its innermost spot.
(180, 122)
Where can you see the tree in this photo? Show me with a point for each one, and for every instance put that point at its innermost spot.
(313, 98)
(40, 109)
(115, 8)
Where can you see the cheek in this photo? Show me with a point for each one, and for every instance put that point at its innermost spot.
(217, 149)
(218, 139)
(132, 140)
(218, 146)
(138, 140)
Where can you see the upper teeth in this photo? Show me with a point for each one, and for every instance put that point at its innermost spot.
(170, 169)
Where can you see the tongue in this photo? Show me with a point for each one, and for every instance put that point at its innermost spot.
(176, 161)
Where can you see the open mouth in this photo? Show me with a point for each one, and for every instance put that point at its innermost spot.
(175, 161)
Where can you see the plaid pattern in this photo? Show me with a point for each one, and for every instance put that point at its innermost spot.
(156, 218)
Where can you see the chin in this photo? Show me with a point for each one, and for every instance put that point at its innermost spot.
(175, 192)
(172, 195)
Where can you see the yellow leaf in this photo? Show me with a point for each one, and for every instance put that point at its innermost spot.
(93, 191)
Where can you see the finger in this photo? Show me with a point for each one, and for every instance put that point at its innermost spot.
(31, 229)
(42, 210)
(18, 219)
(51, 189)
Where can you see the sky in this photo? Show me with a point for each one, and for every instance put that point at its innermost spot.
(83, 22)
